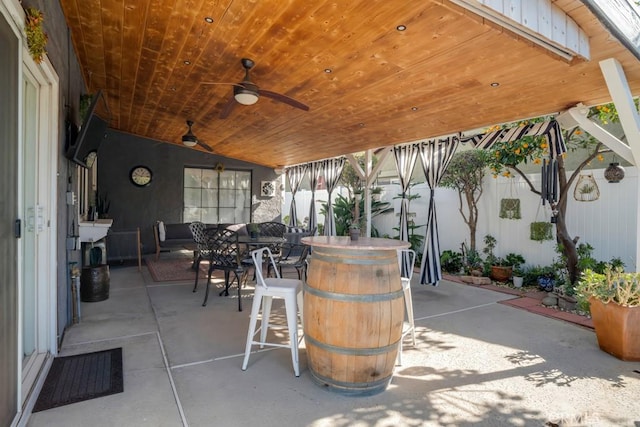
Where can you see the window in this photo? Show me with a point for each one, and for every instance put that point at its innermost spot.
(217, 197)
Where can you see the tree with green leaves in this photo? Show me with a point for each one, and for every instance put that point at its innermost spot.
(465, 174)
(506, 158)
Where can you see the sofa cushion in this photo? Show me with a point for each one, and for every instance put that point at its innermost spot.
(178, 232)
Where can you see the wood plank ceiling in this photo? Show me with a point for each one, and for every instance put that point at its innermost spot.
(367, 84)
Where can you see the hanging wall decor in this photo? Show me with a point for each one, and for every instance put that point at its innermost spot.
(540, 231)
(510, 208)
(586, 189)
(614, 172)
(267, 189)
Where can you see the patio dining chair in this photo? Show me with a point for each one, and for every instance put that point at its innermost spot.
(266, 289)
(272, 229)
(293, 254)
(198, 230)
(408, 326)
(225, 255)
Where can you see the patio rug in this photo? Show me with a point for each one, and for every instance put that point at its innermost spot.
(174, 268)
(81, 377)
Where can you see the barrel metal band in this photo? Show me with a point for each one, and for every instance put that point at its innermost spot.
(351, 351)
(352, 388)
(389, 296)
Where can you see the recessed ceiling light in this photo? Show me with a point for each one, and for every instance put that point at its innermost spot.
(414, 108)
(208, 20)
(494, 84)
(328, 70)
(401, 27)
(187, 62)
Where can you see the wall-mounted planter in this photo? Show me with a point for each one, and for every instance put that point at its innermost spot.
(36, 37)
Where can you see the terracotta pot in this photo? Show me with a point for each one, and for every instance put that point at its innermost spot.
(617, 329)
(500, 273)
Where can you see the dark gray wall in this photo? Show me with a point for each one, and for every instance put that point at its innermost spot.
(132, 207)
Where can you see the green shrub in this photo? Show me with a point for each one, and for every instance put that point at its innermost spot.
(451, 261)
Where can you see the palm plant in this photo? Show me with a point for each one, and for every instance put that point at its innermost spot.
(344, 212)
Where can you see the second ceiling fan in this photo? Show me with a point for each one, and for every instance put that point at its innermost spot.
(190, 140)
(247, 93)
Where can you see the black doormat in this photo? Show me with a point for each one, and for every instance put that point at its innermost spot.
(81, 377)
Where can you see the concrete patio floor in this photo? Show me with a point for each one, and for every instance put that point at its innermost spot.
(476, 363)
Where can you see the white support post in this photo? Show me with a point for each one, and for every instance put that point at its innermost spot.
(368, 175)
(623, 100)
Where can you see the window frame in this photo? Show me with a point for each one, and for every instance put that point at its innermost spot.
(241, 214)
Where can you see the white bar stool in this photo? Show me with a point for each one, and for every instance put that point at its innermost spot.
(268, 288)
(408, 326)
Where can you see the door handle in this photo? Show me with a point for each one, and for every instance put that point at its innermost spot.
(17, 228)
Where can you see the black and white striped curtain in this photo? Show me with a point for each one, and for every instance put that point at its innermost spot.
(405, 156)
(295, 176)
(435, 156)
(331, 170)
(550, 129)
(315, 169)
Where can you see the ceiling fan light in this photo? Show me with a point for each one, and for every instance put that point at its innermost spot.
(189, 140)
(245, 98)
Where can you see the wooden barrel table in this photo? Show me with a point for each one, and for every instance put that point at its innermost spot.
(353, 313)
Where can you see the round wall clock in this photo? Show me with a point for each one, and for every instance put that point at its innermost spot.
(141, 176)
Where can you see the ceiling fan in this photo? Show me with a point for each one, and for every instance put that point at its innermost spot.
(190, 140)
(247, 93)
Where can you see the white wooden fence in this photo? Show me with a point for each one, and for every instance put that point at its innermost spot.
(608, 224)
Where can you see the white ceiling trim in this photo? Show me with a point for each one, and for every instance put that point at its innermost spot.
(539, 21)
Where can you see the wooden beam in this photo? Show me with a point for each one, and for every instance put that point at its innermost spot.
(623, 100)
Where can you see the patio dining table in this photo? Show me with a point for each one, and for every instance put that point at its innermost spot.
(260, 241)
(353, 312)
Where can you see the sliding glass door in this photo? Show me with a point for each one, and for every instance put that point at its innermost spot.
(9, 67)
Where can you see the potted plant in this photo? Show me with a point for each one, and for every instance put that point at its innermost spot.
(253, 229)
(500, 269)
(546, 278)
(518, 276)
(354, 231)
(515, 261)
(613, 299)
(473, 263)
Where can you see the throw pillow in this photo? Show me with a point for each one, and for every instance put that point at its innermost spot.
(162, 231)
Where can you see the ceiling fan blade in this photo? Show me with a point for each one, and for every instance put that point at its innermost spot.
(228, 108)
(283, 98)
(205, 146)
(221, 83)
